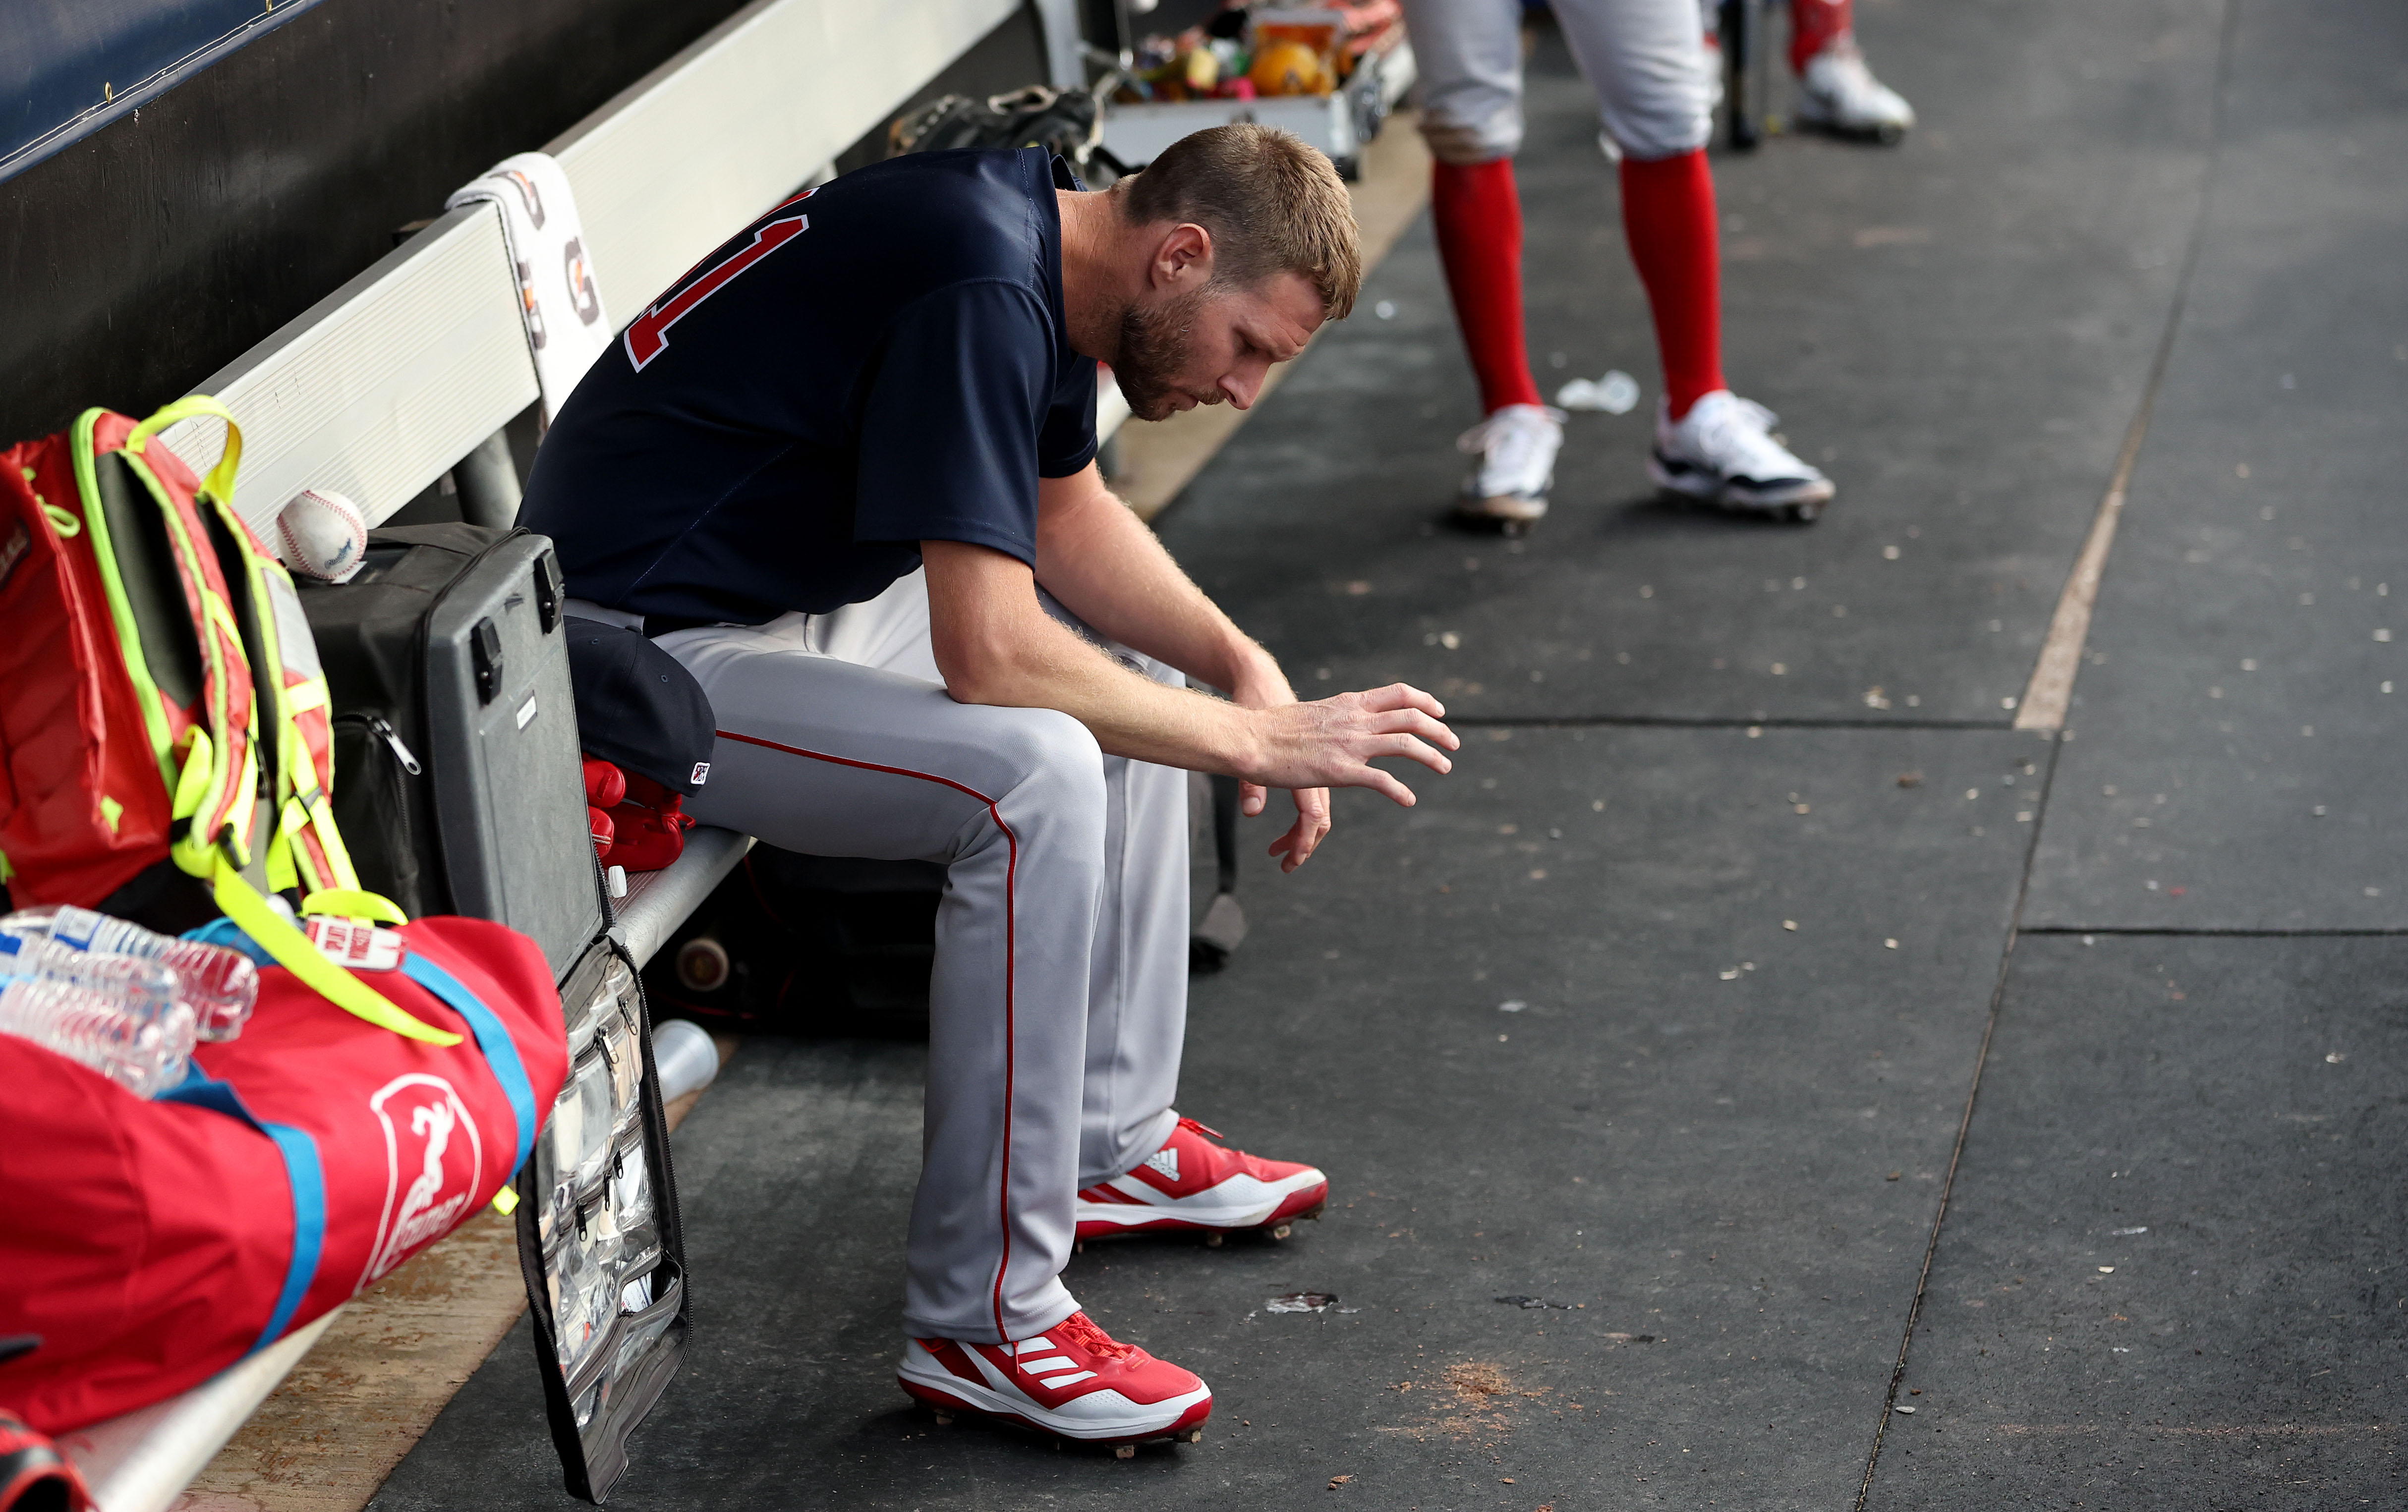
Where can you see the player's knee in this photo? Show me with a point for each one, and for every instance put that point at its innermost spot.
(1473, 129)
(1053, 759)
(1653, 140)
(1665, 110)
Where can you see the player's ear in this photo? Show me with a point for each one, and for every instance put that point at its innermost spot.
(1182, 259)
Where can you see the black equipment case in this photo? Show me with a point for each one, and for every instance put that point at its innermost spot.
(459, 790)
(457, 782)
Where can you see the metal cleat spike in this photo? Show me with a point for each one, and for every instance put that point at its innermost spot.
(1212, 1240)
(1193, 1436)
(944, 1420)
(1281, 1232)
(1124, 1451)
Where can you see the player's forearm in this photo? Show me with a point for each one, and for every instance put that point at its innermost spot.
(1044, 664)
(1097, 557)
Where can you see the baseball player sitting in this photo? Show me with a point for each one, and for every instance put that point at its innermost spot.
(843, 470)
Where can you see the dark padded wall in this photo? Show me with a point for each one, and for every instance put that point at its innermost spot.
(141, 259)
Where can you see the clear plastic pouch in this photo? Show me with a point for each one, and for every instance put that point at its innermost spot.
(631, 1187)
(599, 1233)
(584, 1301)
(639, 1245)
(592, 1080)
(595, 1395)
(616, 1040)
(641, 1325)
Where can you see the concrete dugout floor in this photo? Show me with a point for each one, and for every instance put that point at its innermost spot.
(1552, 1034)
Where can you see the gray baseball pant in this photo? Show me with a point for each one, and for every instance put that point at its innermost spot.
(1646, 60)
(1059, 998)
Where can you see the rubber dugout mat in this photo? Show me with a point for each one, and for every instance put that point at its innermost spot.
(2170, 1274)
(2237, 759)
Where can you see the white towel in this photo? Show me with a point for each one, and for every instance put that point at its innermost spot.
(559, 295)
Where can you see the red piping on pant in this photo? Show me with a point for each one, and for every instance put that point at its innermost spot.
(1011, 941)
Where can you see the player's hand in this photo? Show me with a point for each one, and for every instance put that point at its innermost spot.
(1295, 848)
(1331, 743)
(1262, 685)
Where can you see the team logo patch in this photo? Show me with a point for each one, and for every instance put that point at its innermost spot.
(701, 774)
(434, 1158)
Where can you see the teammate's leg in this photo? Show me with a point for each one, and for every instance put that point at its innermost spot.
(1836, 90)
(1647, 62)
(1468, 53)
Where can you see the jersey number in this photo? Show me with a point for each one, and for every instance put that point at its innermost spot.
(649, 336)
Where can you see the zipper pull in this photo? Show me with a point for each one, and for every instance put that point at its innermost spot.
(384, 731)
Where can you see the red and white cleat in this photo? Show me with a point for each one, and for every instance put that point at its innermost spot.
(1193, 1185)
(1074, 1381)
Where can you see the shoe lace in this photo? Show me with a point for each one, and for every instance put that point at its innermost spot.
(1081, 1330)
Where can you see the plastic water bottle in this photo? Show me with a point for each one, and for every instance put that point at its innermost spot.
(221, 986)
(685, 1058)
(143, 1056)
(146, 988)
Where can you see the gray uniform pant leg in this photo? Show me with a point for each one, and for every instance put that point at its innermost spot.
(1646, 60)
(1467, 54)
(1057, 1004)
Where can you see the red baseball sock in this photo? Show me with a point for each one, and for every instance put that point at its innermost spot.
(1668, 212)
(1479, 221)
(1815, 24)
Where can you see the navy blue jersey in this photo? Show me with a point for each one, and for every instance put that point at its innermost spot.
(875, 363)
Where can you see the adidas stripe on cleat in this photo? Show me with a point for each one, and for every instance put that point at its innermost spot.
(1193, 1185)
(1074, 1381)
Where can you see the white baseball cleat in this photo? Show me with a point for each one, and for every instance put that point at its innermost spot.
(1191, 1185)
(1723, 452)
(1074, 1381)
(1516, 446)
(1836, 91)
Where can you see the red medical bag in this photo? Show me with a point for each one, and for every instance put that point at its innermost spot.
(151, 1244)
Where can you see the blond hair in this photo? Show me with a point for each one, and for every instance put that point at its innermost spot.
(1272, 205)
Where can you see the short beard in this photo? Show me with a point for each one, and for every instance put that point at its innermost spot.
(1153, 350)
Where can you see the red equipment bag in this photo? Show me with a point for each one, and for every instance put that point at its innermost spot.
(149, 1244)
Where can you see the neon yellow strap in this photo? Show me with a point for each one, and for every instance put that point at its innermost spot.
(282, 877)
(330, 840)
(293, 950)
(221, 480)
(193, 784)
(351, 903)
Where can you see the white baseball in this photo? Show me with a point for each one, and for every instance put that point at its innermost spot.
(322, 535)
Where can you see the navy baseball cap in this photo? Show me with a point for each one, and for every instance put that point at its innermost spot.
(638, 709)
